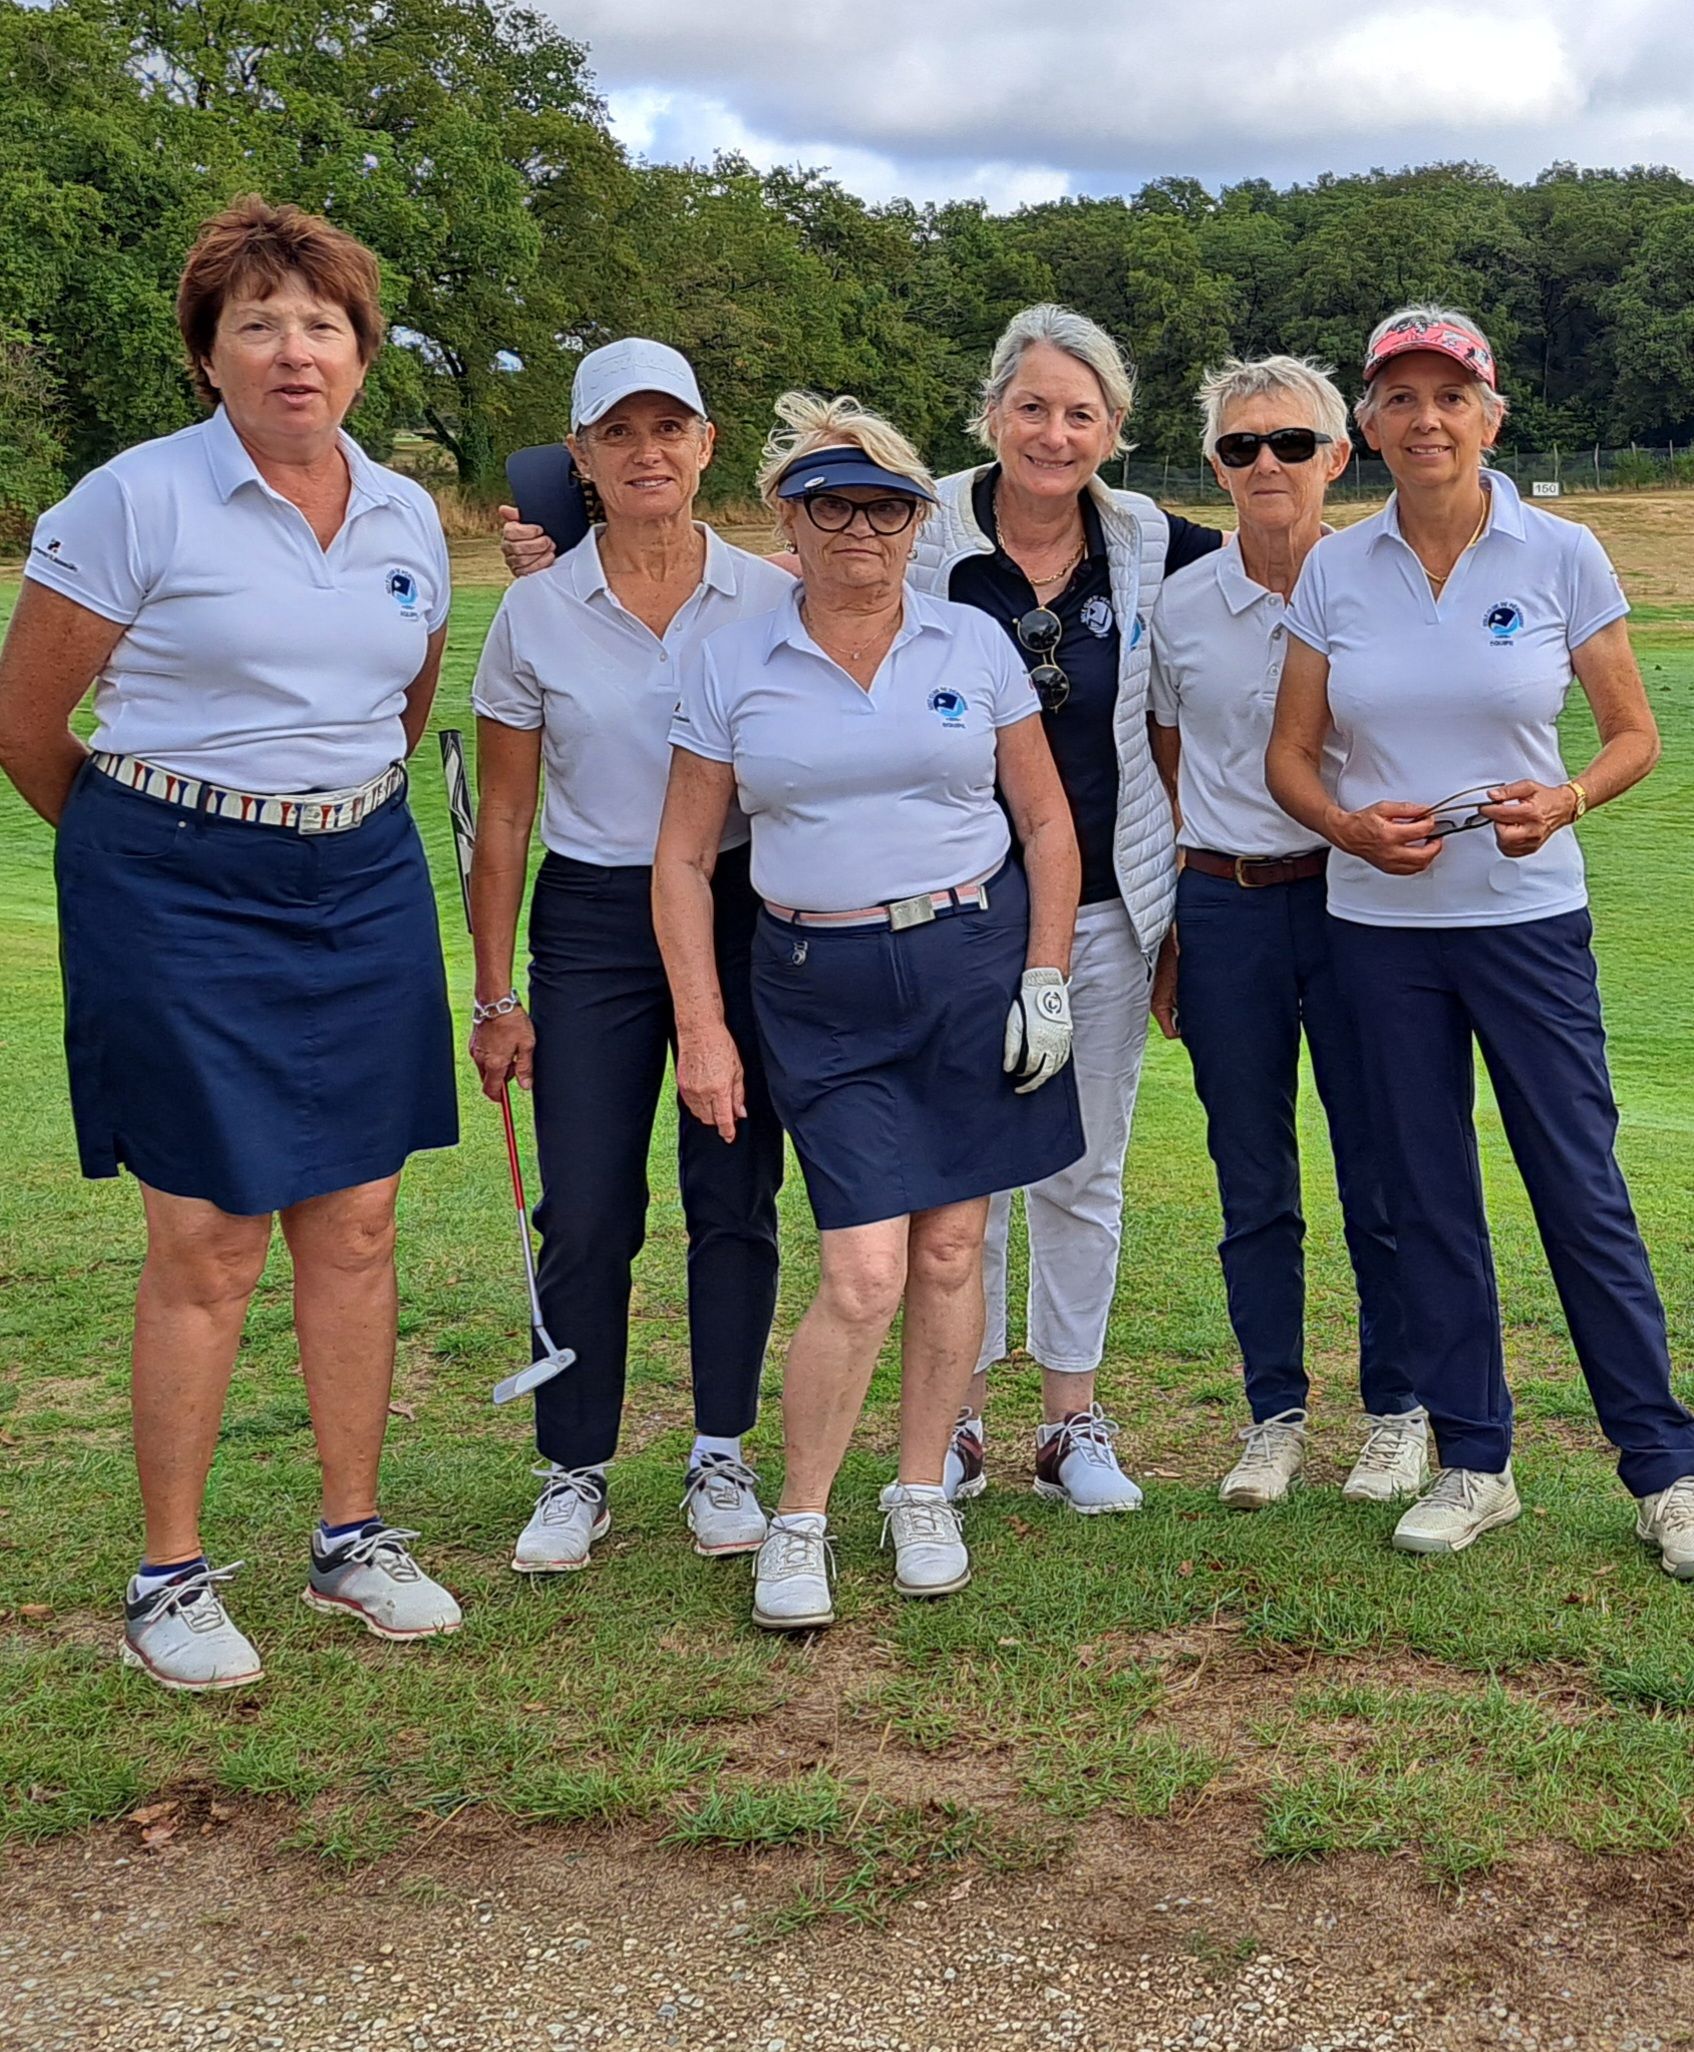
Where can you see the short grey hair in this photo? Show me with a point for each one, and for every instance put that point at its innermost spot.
(1077, 336)
(1262, 377)
(1425, 312)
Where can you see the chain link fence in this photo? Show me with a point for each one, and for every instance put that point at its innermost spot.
(1541, 473)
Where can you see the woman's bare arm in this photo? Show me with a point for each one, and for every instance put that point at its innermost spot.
(53, 652)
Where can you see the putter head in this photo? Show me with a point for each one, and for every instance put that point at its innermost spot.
(534, 1375)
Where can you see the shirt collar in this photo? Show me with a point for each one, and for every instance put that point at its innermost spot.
(232, 466)
(1238, 589)
(588, 573)
(1505, 512)
(923, 614)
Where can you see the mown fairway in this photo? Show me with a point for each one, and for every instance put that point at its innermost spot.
(1288, 1670)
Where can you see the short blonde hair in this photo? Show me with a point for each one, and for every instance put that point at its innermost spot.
(1260, 377)
(810, 422)
(1077, 336)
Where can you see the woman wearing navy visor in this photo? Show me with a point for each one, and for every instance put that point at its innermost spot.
(577, 684)
(255, 1009)
(1438, 641)
(909, 987)
(1070, 569)
(1256, 970)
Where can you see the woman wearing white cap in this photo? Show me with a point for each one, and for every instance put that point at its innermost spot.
(1437, 642)
(909, 985)
(576, 687)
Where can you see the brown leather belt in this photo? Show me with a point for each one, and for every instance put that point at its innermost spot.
(1254, 872)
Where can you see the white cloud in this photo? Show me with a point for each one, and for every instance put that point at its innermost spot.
(1021, 100)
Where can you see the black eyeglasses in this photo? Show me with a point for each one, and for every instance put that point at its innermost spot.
(1287, 445)
(832, 513)
(1451, 816)
(1041, 632)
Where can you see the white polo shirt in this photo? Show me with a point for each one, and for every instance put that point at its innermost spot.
(858, 797)
(1218, 643)
(1431, 699)
(565, 656)
(253, 658)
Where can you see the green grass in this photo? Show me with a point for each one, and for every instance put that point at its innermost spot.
(1161, 1665)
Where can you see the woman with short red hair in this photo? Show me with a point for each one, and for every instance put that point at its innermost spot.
(255, 1008)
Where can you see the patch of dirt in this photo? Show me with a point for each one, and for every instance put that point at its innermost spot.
(1155, 1936)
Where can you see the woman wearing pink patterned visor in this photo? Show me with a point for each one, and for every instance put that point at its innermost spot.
(1437, 642)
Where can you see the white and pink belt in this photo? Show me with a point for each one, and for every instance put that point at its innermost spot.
(898, 913)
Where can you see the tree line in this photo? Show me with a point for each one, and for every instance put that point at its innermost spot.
(464, 142)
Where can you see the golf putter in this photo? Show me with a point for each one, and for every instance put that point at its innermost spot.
(553, 1360)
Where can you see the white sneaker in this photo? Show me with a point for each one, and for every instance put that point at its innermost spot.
(1076, 1464)
(964, 1476)
(929, 1541)
(791, 1576)
(374, 1576)
(1394, 1460)
(722, 1502)
(1275, 1454)
(569, 1515)
(1666, 1521)
(184, 1638)
(1462, 1504)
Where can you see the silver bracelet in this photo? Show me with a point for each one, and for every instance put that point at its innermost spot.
(481, 1013)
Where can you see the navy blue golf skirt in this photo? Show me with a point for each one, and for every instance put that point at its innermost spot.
(252, 1016)
(883, 1052)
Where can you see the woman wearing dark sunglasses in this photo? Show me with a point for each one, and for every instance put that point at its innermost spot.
(1256, 970)
(1070, 569)
(1437, 643)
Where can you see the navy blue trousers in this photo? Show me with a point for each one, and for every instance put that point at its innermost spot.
(1527, 996)
(1256, 969)
(603, 1029)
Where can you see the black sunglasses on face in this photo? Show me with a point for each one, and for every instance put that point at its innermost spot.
(1041, 632)
(1287, 445)
(834, 514)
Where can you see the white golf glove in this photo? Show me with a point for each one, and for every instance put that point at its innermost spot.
(1038, 1029)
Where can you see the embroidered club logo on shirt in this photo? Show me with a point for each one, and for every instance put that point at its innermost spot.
(1504, 619)
(403, 590)
(950, 704)
(1097, 617)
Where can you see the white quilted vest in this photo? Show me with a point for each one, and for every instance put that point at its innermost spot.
(1144, 840)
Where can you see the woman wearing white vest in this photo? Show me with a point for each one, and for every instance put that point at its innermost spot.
(1070, 569)
(1438, 642)
(255, 1007)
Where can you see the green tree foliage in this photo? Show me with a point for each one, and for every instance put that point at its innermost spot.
(462, 139)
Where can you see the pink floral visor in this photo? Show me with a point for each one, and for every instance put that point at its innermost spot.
(1440, 336)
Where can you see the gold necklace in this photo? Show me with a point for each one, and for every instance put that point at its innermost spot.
(1476, 536)
(852, 654)
(1053, 577)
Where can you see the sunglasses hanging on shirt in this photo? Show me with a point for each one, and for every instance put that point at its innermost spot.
(1287, 445)
(1041, 632)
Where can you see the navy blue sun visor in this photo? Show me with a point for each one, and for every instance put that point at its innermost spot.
(828, 470)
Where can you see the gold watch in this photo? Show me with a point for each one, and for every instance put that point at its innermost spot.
(1581, 795)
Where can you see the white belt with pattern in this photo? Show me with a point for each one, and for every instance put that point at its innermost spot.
(306, 812)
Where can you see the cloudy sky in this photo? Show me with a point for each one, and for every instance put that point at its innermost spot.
(1024, 100)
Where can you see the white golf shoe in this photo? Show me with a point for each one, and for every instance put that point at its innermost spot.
(1394, 1460)
(184, 1638)
(1666, 1520)
(1275, 1453)
(569, 1515)
(1077, 1464)
(1460, 1506)
(373, 1577)
(722, 1503)
(929, 1540)
(791, 1575)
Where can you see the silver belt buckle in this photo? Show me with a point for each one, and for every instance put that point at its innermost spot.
(904, 912)
(326, 819)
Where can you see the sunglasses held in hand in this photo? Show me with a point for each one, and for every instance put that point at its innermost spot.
(1458, 814)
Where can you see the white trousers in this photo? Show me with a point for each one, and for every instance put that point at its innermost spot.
(1076, 1217)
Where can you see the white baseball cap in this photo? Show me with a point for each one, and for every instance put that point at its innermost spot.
(609, 374)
